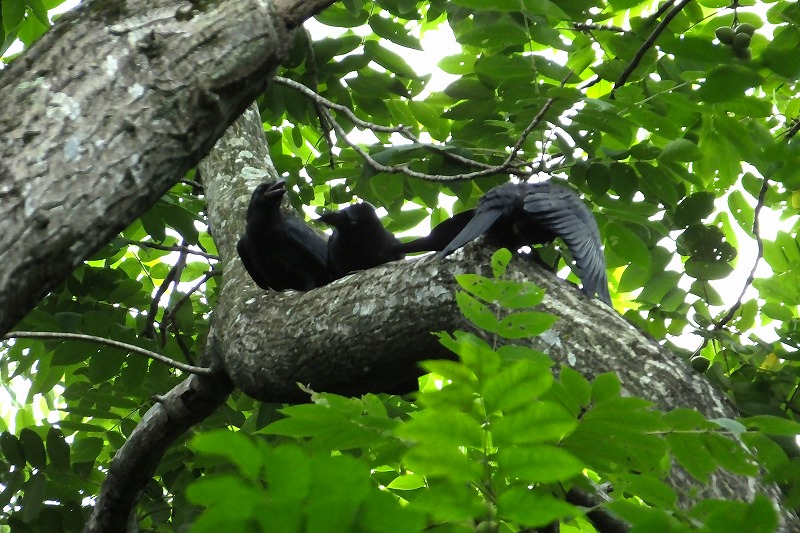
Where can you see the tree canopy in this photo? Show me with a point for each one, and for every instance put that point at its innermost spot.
(675, 121)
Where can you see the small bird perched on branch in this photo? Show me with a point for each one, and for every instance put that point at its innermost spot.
(281, 251)
(359, 240)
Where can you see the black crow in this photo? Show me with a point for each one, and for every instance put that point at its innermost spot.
(520, 214)
(359, 240)
(281, 251)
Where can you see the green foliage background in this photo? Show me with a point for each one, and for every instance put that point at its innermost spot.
(673, 162)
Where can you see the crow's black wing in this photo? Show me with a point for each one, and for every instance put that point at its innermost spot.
(561, 211)
(440, 236)
(497, 202)
(251, 261)
(308, 242)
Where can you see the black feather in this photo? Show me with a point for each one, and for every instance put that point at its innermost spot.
(278, 250)
(520, 214)
(359, 240)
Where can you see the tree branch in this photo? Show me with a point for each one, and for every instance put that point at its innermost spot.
(651, 39)
(164, 88)
(167, 248)
(762, 194)
(55, 335)
(508, 166)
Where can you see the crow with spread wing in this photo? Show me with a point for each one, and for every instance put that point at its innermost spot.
(278, 250)
(520, 214)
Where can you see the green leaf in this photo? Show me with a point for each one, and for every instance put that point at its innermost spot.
(12, 449)
(605, 386)
(72, 352)
(477, 355)
(730, 454)
(577, 385)
(686, 419)
(539, 464)
(651, 490)
(707, 270)
(448, 463)
(235, 447)
(86, 450)
(39, 11)
(466, 88)
(338, 16)
(525, 324)
(771, 425)
(396, 33)
(389, 60)
(458, 64)
(57, 449)
(407, 482)
(477, 313)
(33, 497)
(694, 208)
(444, 428)
(33, 446)
(532, 509)
(727, 82)
(721, 515)
(658, 286)
(13, 12)
(388, 187)
(742, 210)
(627, 245)
(516, 385)
(500, 261)
(544, 421)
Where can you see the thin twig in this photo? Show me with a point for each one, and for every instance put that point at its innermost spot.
(169, 315)
(173, 275)
(54, 335)
(508, 166)
(794, 129)
(588, 26)
(647, 44)
(195, 185)
(662, 9)
(206, 276)
(167, 248)
(405, 131)
(762, 194)
(311, 69)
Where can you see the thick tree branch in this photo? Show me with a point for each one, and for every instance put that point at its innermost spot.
(122, 105)
(134, 464)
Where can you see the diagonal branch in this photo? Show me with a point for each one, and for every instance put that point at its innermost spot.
(647, 44)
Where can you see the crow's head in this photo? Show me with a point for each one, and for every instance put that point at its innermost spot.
(269, 193)
(351, 216)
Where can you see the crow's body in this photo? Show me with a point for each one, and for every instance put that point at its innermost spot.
(280, 251)
(520, 214)
(359, 240)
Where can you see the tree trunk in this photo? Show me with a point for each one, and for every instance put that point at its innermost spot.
(107, 111)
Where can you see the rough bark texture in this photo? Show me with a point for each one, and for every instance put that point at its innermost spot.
(120, 100)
